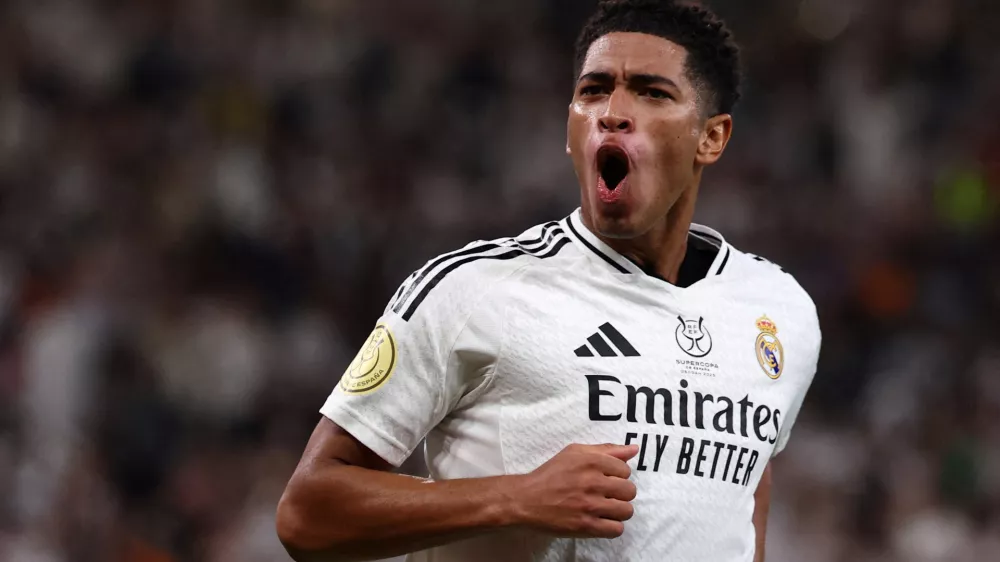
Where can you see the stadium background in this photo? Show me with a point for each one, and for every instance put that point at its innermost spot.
(205, 204)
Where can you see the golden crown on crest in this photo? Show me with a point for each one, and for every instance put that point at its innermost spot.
(764, 324)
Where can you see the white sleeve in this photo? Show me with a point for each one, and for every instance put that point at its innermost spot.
(805, 374)
(421, 359)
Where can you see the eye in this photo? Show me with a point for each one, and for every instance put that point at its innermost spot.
(657, 94)
(592, 90)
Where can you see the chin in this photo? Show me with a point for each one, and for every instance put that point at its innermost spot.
(614, 221)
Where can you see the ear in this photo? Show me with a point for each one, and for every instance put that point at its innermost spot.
(714, 138)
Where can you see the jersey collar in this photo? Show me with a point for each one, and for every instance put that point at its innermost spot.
(589, 243)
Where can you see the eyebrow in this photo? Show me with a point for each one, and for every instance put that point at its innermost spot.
(634, 79)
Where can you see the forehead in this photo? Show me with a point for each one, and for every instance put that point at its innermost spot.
(635, 53)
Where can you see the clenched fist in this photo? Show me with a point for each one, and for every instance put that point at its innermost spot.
(582, 492)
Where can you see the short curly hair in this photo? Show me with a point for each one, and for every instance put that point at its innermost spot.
(713, 62)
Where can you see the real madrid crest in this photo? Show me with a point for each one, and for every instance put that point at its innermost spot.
(770, 354)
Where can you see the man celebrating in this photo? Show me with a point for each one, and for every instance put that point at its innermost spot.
(606, 387)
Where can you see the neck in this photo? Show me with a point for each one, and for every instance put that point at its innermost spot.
(661, 249)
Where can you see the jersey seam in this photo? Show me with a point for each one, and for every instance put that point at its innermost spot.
(465, 324)
(496, 366)
(501, 399)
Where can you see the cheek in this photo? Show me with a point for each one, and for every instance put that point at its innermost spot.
(574, 132)
(663, 151)
(670, 152)
(675, 143)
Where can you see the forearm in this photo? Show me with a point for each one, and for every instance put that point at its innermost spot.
(333, 512)
(762, 505)
(759, 553)
(760, 527)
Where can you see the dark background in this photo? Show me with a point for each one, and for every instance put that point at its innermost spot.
(205, 205)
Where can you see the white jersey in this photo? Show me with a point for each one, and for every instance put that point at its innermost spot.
(504, 352)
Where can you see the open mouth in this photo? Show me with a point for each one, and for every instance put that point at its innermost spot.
(613, 165)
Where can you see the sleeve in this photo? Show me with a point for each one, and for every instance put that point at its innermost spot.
(435, 342)
(807, 373)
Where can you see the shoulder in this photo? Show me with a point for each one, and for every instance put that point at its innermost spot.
(770, 280)
(455, 282)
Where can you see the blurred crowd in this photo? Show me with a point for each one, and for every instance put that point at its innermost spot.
(205, 205)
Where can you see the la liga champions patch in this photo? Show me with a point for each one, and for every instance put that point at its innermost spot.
(373, 365)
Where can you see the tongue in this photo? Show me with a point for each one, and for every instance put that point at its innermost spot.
(610, 193)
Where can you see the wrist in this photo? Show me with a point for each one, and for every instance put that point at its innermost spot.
(505, 507)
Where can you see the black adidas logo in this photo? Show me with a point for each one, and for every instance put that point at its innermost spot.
(603, 347)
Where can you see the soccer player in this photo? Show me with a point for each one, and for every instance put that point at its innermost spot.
(606, 387)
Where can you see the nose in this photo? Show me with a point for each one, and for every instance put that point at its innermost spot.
(615, 124)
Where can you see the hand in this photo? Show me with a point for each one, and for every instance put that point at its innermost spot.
(582, 492)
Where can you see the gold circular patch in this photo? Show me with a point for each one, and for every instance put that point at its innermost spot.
(373, 365)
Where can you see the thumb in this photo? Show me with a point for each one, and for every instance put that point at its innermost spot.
(621, 452)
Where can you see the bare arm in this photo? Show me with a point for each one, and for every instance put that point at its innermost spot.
(762, 503)
(341, 504)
